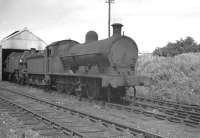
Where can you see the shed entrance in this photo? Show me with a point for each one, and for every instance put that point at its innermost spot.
(3, 55)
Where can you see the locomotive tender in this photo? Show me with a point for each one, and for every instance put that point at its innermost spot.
(102, 67)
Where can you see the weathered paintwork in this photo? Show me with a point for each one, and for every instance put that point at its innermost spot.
(36, 64)
(55, 51)
(112, 59)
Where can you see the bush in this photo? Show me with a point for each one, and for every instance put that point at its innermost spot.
(174, 78)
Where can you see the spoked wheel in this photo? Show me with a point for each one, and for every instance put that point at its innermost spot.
(93, 89)
(78, 93)
(89, 93)
(68, 89)
(59, 87)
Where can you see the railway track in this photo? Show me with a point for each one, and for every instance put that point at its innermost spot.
(163, 110)
(186, 107)
(72, 122)
(35, 121)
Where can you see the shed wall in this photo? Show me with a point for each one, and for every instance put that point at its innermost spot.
(0, 63)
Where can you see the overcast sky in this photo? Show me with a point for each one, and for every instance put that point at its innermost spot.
(151, 23)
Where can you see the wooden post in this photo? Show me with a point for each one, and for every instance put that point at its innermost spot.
(109, 15)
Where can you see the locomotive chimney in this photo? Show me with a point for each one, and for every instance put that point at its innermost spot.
(117, 28)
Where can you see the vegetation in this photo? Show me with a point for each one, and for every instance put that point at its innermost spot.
(180, 46)
(174, 78)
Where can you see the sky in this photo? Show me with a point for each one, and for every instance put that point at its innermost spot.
(150, 23)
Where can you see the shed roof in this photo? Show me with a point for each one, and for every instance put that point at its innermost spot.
(15, 33)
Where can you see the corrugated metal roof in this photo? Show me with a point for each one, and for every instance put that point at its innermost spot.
(19, 32)
(12, 34)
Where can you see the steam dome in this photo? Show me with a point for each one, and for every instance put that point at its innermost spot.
(91, 36)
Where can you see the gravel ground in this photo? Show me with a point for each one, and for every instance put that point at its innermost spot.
(12, 128)
(164, 128)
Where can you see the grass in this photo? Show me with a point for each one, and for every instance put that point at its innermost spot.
(174, 78)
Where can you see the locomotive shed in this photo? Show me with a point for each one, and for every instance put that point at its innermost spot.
(18, 41)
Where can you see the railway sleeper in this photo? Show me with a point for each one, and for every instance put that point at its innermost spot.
(96, 132)
(45, 113)
(128, 109)
(191, 123)
(186, 108)
(174, 119)
(25, 118)
(48, 132)
(176, 106)
(160, 103)
(41, 127)
(194, 119)
(169, 112)
(196, 110)
(4, 110)
(58, 117)
(148, 114)
(143, 106)
(31, 122)
(106, 135)
(137, 111)
(180, 116)
(160, 117)
(89, 129)
(170, 104)
(127, 136)
(122, 129)
(146, 105)
(15, 114)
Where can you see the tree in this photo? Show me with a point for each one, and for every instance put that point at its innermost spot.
(180, 46)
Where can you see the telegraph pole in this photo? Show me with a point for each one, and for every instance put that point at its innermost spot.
(109, 16)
